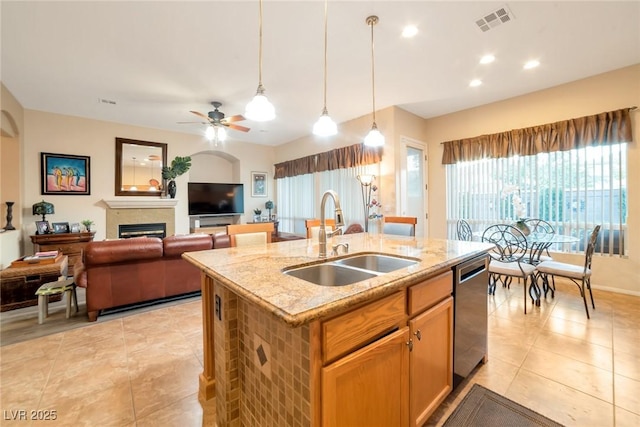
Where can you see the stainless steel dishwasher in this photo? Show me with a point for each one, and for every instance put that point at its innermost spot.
(470, 316)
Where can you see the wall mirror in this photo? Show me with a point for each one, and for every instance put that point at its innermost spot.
(139, 167)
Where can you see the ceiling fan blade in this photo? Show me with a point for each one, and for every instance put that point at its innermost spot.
(186, 123)
(236, 118)
(237, 127)
(200, 115)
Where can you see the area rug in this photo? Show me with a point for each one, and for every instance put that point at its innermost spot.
(483, 407)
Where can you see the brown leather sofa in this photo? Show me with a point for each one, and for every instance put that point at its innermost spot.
(129, 271)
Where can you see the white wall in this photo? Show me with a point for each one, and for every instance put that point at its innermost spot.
(47, 132)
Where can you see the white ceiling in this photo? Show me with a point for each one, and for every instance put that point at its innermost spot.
(157, 60)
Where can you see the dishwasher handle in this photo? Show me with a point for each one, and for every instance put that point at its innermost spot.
(470, 269)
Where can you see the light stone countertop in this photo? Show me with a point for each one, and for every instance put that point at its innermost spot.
(255, 272)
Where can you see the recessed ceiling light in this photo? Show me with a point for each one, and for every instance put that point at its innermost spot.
(531, 64)
(409, 31)
(475, 83)
(487, 59)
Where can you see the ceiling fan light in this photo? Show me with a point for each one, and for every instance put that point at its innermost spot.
(210, 133)
(260, 109)
(325, 126)
(221, 133)
(374, 138)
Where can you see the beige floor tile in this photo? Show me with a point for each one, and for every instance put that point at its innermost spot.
(106, 407)
(627, 394)
(627, 339)
(160, 386)
(495, 375)
(592, 332)
(626, 418)
(559, 402)
(581, 376)
(95, 332)
(627, 364)
(48, 346)
(572, 348)
(187, 412)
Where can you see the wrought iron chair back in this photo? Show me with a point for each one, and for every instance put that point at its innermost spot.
(510, 244)
(539, 226)
(591, 246)
(463, 230)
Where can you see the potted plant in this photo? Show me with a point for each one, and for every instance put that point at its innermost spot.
(257, 212)
(87, 224)
(179, 166)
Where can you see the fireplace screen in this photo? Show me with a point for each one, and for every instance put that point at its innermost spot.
(126, 231)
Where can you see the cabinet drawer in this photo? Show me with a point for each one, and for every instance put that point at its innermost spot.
(356, 328)
(425, 294)
(65, 248)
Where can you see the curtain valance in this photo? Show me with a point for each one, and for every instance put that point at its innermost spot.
(339, 158)
(600, 129)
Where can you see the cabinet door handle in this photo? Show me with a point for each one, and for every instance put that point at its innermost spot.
(410, 344)
(418, 334)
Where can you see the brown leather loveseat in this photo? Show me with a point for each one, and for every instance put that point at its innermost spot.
(129, 271)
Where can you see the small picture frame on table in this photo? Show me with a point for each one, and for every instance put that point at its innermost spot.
(42, 227)
(75, 227)
(60, 227)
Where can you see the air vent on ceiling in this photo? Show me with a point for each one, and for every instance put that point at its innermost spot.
(106, 101)
(494, 18)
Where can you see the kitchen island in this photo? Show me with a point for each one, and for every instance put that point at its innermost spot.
(279, 350)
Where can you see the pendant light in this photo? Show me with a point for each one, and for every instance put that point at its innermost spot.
(325, 126)
(133, 187)
(374, 138)
(260, 109)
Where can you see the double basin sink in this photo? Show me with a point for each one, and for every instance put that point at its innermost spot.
(352, 269)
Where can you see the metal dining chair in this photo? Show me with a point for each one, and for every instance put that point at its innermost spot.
(463, 229)
(508, 260)
(579, 275)
(537, 225)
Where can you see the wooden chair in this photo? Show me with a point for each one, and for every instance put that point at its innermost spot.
(463, 229)
(579, 275)
(313, 226)
(250, 234)
(400, 225)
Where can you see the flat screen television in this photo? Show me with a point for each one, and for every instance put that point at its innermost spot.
(207, 198)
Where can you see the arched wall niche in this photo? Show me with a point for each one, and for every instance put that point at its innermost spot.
(214, 166)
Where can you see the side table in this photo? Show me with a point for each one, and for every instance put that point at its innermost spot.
(70, 244)
(18, 285)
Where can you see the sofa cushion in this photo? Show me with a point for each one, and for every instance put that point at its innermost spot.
(176, 245)
(123, 250)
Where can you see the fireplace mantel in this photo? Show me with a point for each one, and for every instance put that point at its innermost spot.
(140, 203)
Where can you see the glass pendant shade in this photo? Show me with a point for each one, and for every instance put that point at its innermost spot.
(217, 133)
(325, 126)
(210, 133)
(374, 138)
(260, 109)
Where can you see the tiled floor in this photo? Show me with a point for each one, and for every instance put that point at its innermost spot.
(142, 370)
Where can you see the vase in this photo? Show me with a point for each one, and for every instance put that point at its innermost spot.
(523, 227)
(172, 188)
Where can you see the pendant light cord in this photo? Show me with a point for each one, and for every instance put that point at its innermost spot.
(373, 20)
(326, 6)
(260, 50)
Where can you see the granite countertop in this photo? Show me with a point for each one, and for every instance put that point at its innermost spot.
(255, 272)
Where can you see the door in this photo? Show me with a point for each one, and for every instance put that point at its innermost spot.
(370, 386)
(413, 183)
(430, 361)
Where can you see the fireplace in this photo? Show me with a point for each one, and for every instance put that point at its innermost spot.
(126, 231)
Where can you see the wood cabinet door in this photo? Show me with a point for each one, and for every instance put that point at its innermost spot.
(431, 360)
(370, 386)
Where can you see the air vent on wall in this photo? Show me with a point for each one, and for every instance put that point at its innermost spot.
(494, 18)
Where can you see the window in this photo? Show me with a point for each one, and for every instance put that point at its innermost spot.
(299, 196)
(573, 190)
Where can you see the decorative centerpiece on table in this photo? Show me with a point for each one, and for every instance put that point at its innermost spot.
(256, 215)
(519, 209)
(179, 166)
(87, 224)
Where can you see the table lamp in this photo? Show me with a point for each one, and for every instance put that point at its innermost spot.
(42, 208)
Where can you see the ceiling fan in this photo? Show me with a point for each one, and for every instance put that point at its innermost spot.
(217, 118)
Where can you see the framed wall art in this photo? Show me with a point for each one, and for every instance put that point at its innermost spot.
(258, 184)
(65, 174)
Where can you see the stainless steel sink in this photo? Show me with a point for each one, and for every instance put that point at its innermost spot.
(376, 262)
(330, 274)
(350, 269)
